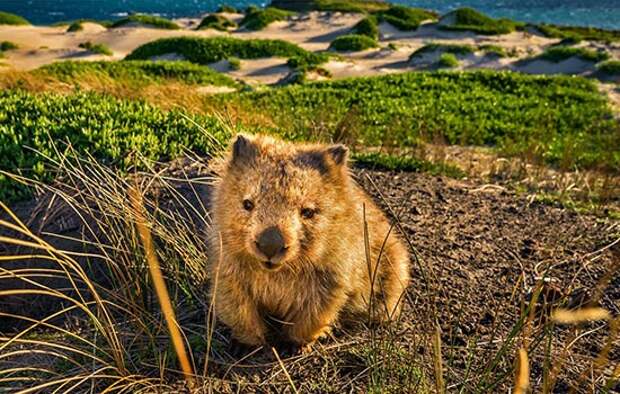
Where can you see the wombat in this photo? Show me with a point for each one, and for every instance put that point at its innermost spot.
(295, 240)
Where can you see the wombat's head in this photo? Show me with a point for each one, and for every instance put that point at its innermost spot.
(276, 201)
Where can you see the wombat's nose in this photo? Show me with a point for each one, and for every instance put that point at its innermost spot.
(270, 242)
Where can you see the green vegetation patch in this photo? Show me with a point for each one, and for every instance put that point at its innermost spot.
(356, 6)
(561, 120)
(100, 49)
(558, 53)
(258, 18)
(107, 128)
(447, 60)
(584, 33)
(352, 42)
(149, 20)
(455, 49)
(74, 27)
(7, 18)
(610, 67)
(138, 71)
(8, 46)
(367, 27)
(388, 162)
(494, 50)
(217, 22)
(213, 49)
(469, 19)
(405, 18)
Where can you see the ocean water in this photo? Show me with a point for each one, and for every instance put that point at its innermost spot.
(598, 13)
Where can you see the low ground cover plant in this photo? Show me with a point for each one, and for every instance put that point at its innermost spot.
(471, 20)
(213, 49)
(353, 42)
(149, 20)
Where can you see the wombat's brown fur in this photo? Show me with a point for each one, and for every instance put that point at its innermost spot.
(288, 243)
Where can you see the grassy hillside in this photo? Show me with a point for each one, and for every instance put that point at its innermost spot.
(210, 50)
(137, 71)
(148, 20)
(560, 120)
(7, 18)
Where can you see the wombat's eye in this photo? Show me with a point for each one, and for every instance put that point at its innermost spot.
(248, 205)
(308, 213)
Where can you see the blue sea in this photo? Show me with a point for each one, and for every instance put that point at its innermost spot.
(598, 13)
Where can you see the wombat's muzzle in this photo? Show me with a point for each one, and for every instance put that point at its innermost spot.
(271, 243)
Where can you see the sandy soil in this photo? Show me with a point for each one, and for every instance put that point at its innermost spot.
(313, 31)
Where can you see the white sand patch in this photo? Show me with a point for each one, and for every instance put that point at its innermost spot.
(262, 71)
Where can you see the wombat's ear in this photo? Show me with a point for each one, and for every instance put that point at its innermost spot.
(338, 154)
(244, 150)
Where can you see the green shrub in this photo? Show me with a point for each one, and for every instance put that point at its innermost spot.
(610, 67)
(227, 9)
(455, 49)
(217, 22)
(100, 49)
(75, 26)
(108, 129)
(447, 60)
(558, 53)
(12, 19)
(585, 33)
(352, 42)
(234, 63)
(494, 50)
(405, 18)
(104, 23)
(149, 20)
(560, 119)
(367, 27)
(138, 71)
(471, 20)
(213, 49)
(258, 19)
(8, 46)
(357, 6)
(570, 40)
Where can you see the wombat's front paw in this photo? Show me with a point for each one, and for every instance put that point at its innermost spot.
(240, 349)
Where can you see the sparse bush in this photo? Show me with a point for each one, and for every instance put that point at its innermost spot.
(353, 42)
(585, 33)
(494, 50)
(7, 18)
(610, 67)
(258, 19)
(570, 40)
(8, 46)
(405, 18)
(149, 20)
(455, 49)
(75, 26)
(472, 20)
(367, 27)
(213, 49)
(100, 49)
(447, 60)
(217, 22)
(558, 53)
